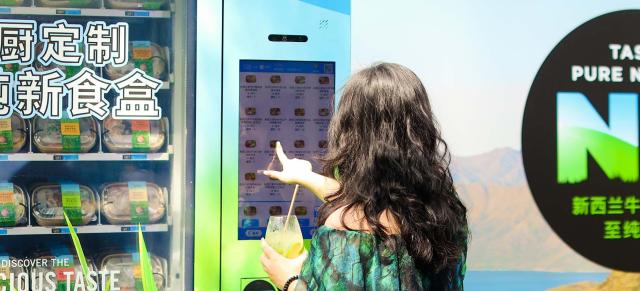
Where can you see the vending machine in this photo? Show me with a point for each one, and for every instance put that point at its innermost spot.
(101, 128)
(283, 63)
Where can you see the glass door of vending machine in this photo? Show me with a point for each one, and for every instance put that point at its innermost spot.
(96, 124)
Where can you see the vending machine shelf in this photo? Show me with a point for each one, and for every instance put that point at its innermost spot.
(92, 12)
(40, 230)
(44, 157)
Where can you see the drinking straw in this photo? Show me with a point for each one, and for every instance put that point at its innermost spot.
(295, 193)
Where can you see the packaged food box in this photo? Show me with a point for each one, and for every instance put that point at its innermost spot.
(68, 3)
(48, 206)
(58, 262)
(13, 205)
(136, 4)
(122, 136)
(133, 202)
(14, 3)
(68, 71)
(144, 55)
(13, 134)
(7, 269)
(11, 68)
(65, 135)
(129, 266)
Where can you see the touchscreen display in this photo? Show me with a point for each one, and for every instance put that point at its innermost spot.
(290, 102)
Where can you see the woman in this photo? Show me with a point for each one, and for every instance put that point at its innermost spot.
(392, 219)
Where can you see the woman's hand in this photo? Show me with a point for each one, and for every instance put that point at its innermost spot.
(294, 171)
(280, 268)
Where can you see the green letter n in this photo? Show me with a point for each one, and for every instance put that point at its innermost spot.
(583, 132)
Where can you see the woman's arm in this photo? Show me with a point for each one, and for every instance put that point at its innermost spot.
(296, 171)
(321, 186)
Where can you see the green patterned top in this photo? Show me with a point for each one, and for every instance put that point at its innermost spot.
(353, 260)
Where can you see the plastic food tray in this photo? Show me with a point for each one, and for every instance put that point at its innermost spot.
(125, 263)
(46, 205)
(19, 132)
(48, 139)
(159, 64)
(20, 199)
(117, 135)
(14, 3)
(68, 3)
(116, 206)
(65, 69)
(136, 4)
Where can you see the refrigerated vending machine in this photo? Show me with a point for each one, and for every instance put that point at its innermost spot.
(282, 64)
(97, 120)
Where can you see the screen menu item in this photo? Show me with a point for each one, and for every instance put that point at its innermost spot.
(290, 102)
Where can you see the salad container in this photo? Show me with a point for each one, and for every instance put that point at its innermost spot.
(48, 208)
(129, 268)
(68, 71)
(124, 136)
(49, 138)
(116, 203)
(13, 134)
(146, 56)
(13, 3)
(136, 4)
(68, 3)
(19, 206)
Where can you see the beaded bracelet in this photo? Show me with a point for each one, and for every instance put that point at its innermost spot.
(291, 279)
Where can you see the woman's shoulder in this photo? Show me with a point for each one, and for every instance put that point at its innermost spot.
(354, 219)
(347, 257)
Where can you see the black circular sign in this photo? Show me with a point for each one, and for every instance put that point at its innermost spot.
(580, 140)
(259, 285)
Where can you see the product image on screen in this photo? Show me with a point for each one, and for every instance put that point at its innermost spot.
(290, 102)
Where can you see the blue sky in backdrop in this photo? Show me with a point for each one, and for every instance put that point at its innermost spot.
(476, 58)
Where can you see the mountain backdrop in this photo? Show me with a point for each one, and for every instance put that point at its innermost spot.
(508, 230)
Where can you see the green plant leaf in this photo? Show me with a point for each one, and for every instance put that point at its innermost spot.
(78, 247)
(148, 281)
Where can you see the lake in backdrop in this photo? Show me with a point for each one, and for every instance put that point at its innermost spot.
(524, 280)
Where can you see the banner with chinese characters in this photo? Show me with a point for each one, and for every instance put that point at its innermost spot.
(78, 90)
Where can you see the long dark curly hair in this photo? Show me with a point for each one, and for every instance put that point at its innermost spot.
(386, 150)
